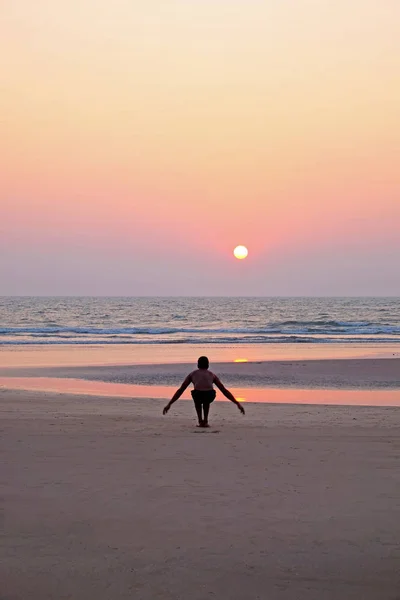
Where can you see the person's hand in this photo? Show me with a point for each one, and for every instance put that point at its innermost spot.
(240, 407)
(166, 409)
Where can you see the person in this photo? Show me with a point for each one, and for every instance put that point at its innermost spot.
(203, 393)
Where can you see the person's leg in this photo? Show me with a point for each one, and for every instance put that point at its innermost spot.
(206, 408)
(198, 405)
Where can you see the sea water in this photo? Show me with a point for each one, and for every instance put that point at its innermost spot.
(26, 321)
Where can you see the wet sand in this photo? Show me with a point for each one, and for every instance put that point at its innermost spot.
(386, 396)
(105, 498)
(367, 374)
(107, 354)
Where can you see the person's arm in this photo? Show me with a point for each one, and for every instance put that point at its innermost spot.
(227, 393)
(177, 394)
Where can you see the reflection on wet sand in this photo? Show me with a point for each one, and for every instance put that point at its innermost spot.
(266, 395)
(43, 356)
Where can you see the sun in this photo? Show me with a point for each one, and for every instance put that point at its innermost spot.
(240, 252)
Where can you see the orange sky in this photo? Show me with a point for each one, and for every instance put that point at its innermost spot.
(143, 138)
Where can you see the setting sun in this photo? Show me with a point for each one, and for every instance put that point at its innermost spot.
(240, 252)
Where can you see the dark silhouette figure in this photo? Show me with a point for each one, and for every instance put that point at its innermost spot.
(203, 393)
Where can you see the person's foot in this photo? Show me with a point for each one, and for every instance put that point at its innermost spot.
(205, 424)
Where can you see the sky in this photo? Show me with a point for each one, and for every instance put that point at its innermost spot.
(141, 141)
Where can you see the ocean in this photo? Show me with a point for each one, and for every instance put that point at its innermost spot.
(26, 321)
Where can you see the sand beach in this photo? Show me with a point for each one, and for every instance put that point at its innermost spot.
(103, 497)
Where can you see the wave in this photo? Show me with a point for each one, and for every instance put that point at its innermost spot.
(291, 339)
(286, 328)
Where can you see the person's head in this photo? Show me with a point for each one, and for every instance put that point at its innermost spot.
(203, 363)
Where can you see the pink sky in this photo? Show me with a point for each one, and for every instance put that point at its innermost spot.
(141, 140)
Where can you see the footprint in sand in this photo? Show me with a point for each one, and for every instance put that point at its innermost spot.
(206, 431)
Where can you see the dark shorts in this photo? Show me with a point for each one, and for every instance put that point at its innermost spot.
(203, 396)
